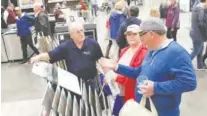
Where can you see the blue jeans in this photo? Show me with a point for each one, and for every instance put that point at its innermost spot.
(197, 51)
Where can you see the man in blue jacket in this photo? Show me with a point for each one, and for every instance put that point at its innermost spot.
(24, 22)
(168, 67)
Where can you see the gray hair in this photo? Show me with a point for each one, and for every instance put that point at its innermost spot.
(75, 25)
(37, 5)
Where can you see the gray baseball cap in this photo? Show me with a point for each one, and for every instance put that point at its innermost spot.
(153, 24)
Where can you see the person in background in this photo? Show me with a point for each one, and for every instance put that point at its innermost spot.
(41, 20)
(24, 22)
(132, 19)
(128, 2)
(116, 18)
(94, 6)
(64, 4)
(167, 69)
(133, 56)
(154, 13)
(126, 10)
(196, 2)
(58, 13)
(80, 54)
(173, 20)
(196, 34)
(9, 15)
(3, 23)
(110, 5)
(163, 11)
(83, 5)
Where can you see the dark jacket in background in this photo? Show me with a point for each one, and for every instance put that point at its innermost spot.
(42, 24)
(163, 10)
(173, 17)
(195, 33)
(121, 40)
(23, 25)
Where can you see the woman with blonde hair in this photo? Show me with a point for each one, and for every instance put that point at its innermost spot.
(154, 12)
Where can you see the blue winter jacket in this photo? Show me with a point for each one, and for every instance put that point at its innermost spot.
(23, 25)
(171, 70)
(115, 20)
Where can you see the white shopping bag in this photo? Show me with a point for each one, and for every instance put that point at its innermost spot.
(114, 87)
(52, 113)
(56, 99)
(75, 107)
(84, 92)
(132, 108)
(92, 111)
(97, 105)
(62, 103)
(91, 97)
(87, 113)
(81, 108)
(42, 69)
(48, 97)
(69, 105)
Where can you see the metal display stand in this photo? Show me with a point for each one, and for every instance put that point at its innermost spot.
(59, 100)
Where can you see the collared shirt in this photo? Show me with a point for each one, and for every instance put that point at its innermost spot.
(20, 16)
(37, 13)
(81, 62)
(163, 45)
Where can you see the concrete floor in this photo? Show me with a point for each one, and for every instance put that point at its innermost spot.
(22, 91)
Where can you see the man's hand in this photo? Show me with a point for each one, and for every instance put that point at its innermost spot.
(107, 64)
(40, 57)
(147, 89)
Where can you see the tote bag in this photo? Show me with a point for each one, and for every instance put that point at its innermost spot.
(132, 108)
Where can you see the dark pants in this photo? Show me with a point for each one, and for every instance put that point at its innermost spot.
(92, 83)
(94, 9)
(172, 34)
(27, 40)
(128, 2)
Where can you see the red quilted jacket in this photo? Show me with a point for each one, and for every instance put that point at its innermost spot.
(129, 83)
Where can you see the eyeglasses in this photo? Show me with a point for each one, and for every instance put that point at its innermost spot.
(143, 33)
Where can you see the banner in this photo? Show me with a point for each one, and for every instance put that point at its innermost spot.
(26, 4)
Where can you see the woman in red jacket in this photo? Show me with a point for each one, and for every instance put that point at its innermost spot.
(133, 56)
